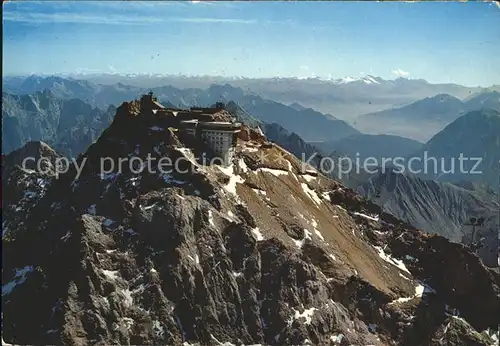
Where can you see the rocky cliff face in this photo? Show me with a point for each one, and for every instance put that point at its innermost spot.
(260, 252)
(439, 208)
(70, 125)
(333, 164)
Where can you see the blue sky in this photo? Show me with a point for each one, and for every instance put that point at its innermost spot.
(441, 42)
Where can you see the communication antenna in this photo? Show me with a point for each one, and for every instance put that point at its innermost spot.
(475, 222)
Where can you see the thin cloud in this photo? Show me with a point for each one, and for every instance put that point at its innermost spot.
(116, 19)
(76, 18)
(219, 3)
(76, 7)
(202, 2)
(139, 7)
(400, 73)
(213, 20)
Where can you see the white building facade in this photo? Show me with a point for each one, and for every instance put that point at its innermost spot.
(220, 136)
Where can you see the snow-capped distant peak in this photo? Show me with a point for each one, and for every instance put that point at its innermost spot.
(370, 80)
(347, 80)
(366, 79)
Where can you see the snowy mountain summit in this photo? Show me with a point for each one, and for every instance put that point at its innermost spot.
(365, 79)
(263, 251)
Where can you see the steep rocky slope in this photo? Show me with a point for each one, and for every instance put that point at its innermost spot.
(333, 164)
(241, 115)
(438, 208)
(25, 183)
(70, 125)
(260, 252)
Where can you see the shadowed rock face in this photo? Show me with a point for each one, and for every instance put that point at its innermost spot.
(437, 208)
(70, 125)
(474, 136)
(255, 253)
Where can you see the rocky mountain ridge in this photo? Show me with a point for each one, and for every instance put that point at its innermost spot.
(437, 208)
(343, 97)
(474, 137)
(260, 252)
(71, 125)
(35, 116)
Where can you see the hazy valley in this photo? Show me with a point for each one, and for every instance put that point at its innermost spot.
(357, 269)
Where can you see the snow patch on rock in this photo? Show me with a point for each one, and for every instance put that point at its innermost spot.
(391, 260)
(211, 218)
(311, 193)
(300, 243)
(233, 179)
(260, 192)
(309, 177)
(112, 274)
(243, 166)
(336, 338)
(372, 218)
(306, 314)
(275, 172)
(257, 234)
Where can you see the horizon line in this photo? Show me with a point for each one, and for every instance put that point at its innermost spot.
(187, 76)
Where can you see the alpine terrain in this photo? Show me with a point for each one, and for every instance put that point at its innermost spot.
(473, 138)
(263, 251)
(424, 118)
(70, 125)
(440, 208)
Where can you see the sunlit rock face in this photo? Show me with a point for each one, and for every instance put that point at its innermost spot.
(263, 251)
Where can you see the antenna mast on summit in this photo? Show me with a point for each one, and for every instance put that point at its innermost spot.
(475, 222)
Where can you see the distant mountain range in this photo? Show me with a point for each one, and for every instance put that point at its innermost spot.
(486, 99)
(345, 98)
(365, 146)
(70, 125)
(350, 97)
(476, 137)
(310, 124)
(423, 119)
(96, 95)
